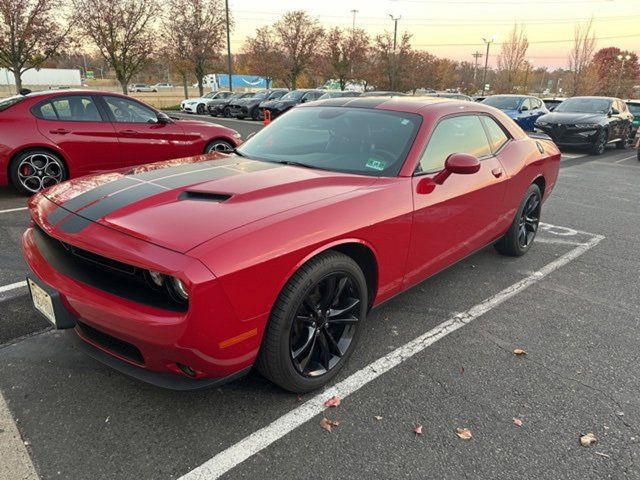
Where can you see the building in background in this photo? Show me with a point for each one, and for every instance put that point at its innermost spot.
(44, 77)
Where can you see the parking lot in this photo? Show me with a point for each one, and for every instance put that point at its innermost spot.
(440, 356)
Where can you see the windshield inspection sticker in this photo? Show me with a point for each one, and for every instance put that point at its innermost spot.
(376, 164)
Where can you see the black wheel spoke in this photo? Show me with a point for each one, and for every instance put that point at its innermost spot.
(343, 320)
(348, 307)
(328, 293)
(304, 362)
(324, 352)
(307, 344)
(339, 289)
(333, 345)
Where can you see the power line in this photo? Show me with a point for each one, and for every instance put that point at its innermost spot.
(615, 37)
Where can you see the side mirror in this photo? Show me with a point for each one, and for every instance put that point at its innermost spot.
(460, 163)
(614, 111)
(163, 118)
(303, 100)
(551, 109)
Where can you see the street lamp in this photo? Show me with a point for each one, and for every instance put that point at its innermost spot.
(528, 65)
(395, 19)
(623, 59)
(488, 42)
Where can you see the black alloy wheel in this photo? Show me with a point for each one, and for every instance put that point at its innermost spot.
(529, 220)
(226, 112)
(324, 325)
(314, 324)
(200, 109)
(522, 232)
(600, 144)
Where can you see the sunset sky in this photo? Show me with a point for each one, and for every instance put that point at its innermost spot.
(454, 28)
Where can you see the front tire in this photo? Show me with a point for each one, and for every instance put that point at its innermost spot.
(219, 146)
(519, 238)
(226, 113)
(313, 327)
(622, 144)
(200, 109)
(600, 144)
(34, 170)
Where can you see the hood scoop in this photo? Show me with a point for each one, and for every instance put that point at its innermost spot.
(204, 196)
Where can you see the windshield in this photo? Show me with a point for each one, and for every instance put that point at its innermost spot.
(211, 95)
(503, 103)
(355, 140)
(634, 108)
(7, 102)
(260, 95)
(293, 96)
(584, 105)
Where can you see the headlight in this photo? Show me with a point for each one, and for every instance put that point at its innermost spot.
(586, 125)
(178, 289)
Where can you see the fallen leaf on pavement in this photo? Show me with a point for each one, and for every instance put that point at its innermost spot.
(517, 422)
(328, 424)
(461, 370)
(378, 417)
(418, 430)
(332, 402)
(463, 433)
(298, 398)
(519, 352)
(588, 440)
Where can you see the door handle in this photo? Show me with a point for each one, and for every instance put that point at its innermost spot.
(497, 172)
(60, 131)
(127, 133)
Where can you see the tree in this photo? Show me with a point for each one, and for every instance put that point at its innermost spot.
(391, 66)
(613, 79)
(582, 79)
(200, 28)
(298, 37)
(343, 51)
(512, 58)
(262, 56)
(30, 33)
(420, 71)
(122, 32)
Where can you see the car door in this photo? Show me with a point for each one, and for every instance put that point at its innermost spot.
(524, 115)
(82, 132)
(465, 212)
(142, 138)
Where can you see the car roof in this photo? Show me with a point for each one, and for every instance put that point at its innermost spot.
(596, 97)
(634, 101)
(400, 104)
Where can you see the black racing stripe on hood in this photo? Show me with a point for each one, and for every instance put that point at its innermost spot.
(108, 198)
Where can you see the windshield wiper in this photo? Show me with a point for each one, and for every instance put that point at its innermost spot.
(238, 152)
(297, 164)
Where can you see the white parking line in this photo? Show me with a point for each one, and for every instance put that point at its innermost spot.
(568, 156)
(12, 286)
(261, 439)
(16, 462)
(9, 210)
(626, 158)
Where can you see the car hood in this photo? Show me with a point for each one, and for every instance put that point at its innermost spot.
(571, 118)
(180, 204)
(196, 100)
(278, 103)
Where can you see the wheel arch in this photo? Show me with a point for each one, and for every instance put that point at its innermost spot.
(48, 148)
(541, 182)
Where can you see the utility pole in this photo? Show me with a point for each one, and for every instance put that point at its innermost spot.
(229, 64)
(477, 55)
(353, 26)
(395, 44)
(488, 42)
(622, 58)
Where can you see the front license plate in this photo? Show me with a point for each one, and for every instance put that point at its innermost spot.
(42, 301)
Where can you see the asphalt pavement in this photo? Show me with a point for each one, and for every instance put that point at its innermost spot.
(572, 303)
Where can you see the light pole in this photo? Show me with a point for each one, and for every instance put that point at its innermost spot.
(229, 67)
(395, 43)
(528, 63)
(623, 59)
(488, 42)
(353, 25)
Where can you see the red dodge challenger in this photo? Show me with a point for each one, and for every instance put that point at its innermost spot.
(50, 136)
(187, 273)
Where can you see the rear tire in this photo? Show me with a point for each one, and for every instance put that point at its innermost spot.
(255, 114)
(522, 232)
(313, 327)
(34, 170)
(626, 136)
(219, 146)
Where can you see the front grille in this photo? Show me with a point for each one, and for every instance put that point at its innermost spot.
(111, 276)
(113, 344)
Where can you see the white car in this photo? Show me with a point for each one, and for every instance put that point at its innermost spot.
(199, 105)
(142, 87)
(161, 86)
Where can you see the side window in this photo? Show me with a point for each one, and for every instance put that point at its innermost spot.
(76, 108)
(128, 111)
(526, 105)
(497, 137)
(461, 134)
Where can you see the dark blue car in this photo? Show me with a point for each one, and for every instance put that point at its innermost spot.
(524, 109)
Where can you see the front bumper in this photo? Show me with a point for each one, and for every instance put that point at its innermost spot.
(188, 108)
(569, 136)
(149, 343)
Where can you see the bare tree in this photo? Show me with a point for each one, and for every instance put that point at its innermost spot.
(390, 64)
(30, 33)
(512, 58)
(173, 52)
(582, 78)
(122, 32)
(298, 37)
(343, 51)
(200, 28)
(262, 56)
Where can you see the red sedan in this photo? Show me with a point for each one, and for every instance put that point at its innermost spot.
(188, 273)
(50, 136)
